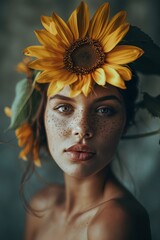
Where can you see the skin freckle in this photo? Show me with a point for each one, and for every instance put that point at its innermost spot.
(68, 126)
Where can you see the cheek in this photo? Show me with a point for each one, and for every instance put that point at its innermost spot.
(61, 127)
(55, 127)
(109, 134)
(54, 131)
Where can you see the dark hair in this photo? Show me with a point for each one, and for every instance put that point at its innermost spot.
(37, 122)
(130, 95)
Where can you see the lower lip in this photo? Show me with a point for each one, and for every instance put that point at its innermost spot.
(80, 156)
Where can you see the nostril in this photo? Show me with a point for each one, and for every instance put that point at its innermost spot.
(86, 134)
(76, 133)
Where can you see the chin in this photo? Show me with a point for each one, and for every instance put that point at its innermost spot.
(82, 171)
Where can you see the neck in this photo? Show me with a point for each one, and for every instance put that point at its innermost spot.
(83, 194)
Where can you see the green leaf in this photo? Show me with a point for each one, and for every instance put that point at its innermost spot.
(152, 104)
(20, 106)
(149, 62)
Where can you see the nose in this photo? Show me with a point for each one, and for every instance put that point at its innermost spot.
(86, 134)
(83, 127)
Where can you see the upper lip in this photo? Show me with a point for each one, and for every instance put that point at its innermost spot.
(80, 148)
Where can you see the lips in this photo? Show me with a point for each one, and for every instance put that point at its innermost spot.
(80, 152)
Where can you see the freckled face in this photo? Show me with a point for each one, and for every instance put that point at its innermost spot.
(96, 121)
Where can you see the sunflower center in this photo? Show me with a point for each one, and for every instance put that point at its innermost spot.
(84, 56)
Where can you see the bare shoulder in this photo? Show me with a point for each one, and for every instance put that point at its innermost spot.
(47, 197)
(120, 219)
(43, 203)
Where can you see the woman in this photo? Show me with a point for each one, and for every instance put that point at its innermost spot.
(82, 136)
(84, 75)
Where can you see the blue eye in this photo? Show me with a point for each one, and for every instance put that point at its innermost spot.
(105, 111)
(64, 108)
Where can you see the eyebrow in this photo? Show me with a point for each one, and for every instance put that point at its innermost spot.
(104, 98)
(58, 96)
(109, 97)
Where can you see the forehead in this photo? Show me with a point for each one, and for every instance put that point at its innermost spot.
(96, 93)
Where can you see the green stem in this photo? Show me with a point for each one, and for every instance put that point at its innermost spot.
(141, 135)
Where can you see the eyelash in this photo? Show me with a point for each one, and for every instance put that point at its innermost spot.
(108, 111)
(70, 108)
(67, 109)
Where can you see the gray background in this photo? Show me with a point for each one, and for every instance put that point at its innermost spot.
(140, 158)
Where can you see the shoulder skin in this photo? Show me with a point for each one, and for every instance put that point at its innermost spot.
(120, 219)
(42, 204)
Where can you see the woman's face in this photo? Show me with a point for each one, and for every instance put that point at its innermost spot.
(83, 132)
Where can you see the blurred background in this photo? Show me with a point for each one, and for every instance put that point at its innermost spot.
(140, 159)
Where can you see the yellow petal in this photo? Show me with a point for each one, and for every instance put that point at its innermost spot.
(87, 84)
(53, 89)
(63, 30)
(47, 63)
(124, 54)
(43, 51)
(72, 23)
(21, 67)
(83, 19)
(37, 162)
(47, 76)
(76, 87)
(74, 93)
(23, 157)
(116, 21)
(36, 159)
(79, 21)
(25, 130)
(8, 111)
(26, 150)
(46, 38)
(110, 41)
(124, 72)
(99, 76)
(39, 52)
(99, 21)
(22, 141)
(48, 24)
(113, 78)
(68, 79)
(45, 20)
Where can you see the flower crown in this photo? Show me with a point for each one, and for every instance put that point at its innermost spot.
(80, 53)
(83, 51)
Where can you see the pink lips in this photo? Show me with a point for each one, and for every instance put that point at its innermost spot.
(80, 152)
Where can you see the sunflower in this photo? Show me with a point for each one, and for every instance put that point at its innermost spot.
(26, 140)
(82, 52)
(23, 67)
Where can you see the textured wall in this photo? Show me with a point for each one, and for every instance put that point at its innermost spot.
(141, 158)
